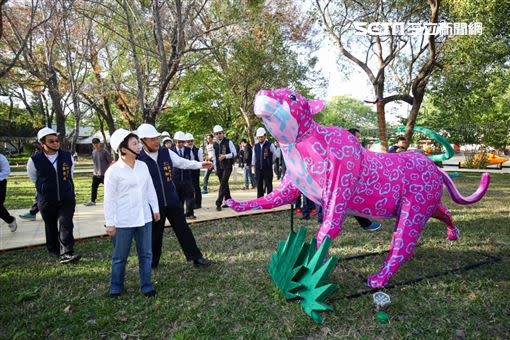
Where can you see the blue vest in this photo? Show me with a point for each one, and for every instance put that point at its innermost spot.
(223, 148)
(54, 186)
(161, 173)
(195, 173)
(180, 174)
(263, 156)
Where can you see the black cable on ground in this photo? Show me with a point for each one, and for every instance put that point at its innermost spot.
(489, 259)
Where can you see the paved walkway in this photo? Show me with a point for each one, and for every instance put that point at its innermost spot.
(89, 221)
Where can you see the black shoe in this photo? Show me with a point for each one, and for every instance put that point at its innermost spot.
(218, 208)
(115, 295)
(201, 262)
(225, 206)
(192, 217)
(198, 207)
(152, 293)
(68, 258)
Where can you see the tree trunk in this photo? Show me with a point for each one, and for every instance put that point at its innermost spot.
(381, 115)
(56, 98)
(101, 128)
(106, 113)
(249, 125)
(411, 118)
(76, 135)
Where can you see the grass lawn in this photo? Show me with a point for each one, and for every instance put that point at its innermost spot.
(235, 298)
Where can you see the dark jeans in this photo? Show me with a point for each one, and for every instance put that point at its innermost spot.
(96, 180)
(224, 191)
(195, 181)
(249, 175)
(58, 225)
(308, 206)
(277, 168)
(4, 214)
(175, 216)
(122, 244)
(264, 181)
(206, 178)
(363, 222)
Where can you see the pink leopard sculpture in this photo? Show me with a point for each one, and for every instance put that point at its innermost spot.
(329, 166)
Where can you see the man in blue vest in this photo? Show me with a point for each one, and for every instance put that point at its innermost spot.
(161, 163)
(196, 155)
(51, 169)
(224, 153)
(182, 177)
(262, 161)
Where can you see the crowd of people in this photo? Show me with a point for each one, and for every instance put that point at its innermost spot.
(155, 178)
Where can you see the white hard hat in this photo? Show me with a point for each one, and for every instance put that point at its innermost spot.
(217, 128)
(188, 136)
(261, 132)
(165, 134)
(117, 137)
(44, 132)
(166, 139)
(147, 131)
(179, 135)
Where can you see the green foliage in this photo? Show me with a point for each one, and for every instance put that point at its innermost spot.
(314, 288)
(470, 99)
(347, 112)
(478, 160)
(300, 271)
(225, 83)
(18, 123)
(284, 263)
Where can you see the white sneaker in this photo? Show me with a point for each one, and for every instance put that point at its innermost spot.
(13, 226)
(90, 204)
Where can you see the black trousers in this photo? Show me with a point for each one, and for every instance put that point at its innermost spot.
(224, 192)
(175, 216)
(195, 181)
(264, 181)
(277, 168)
(35, 207)
(4, 214)
(96, 180)
(363, 222)
(58, 225)
(186, 195)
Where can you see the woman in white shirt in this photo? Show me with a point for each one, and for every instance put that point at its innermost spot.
(130, 203)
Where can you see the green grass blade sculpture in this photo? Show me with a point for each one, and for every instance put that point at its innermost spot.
(300, 271)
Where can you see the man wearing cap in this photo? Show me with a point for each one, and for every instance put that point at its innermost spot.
(262, 161)
(225, 152)
(196, 155)
(182, 177)
(161, 163)
(102, 160)
(51, 169)
(130, 206)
